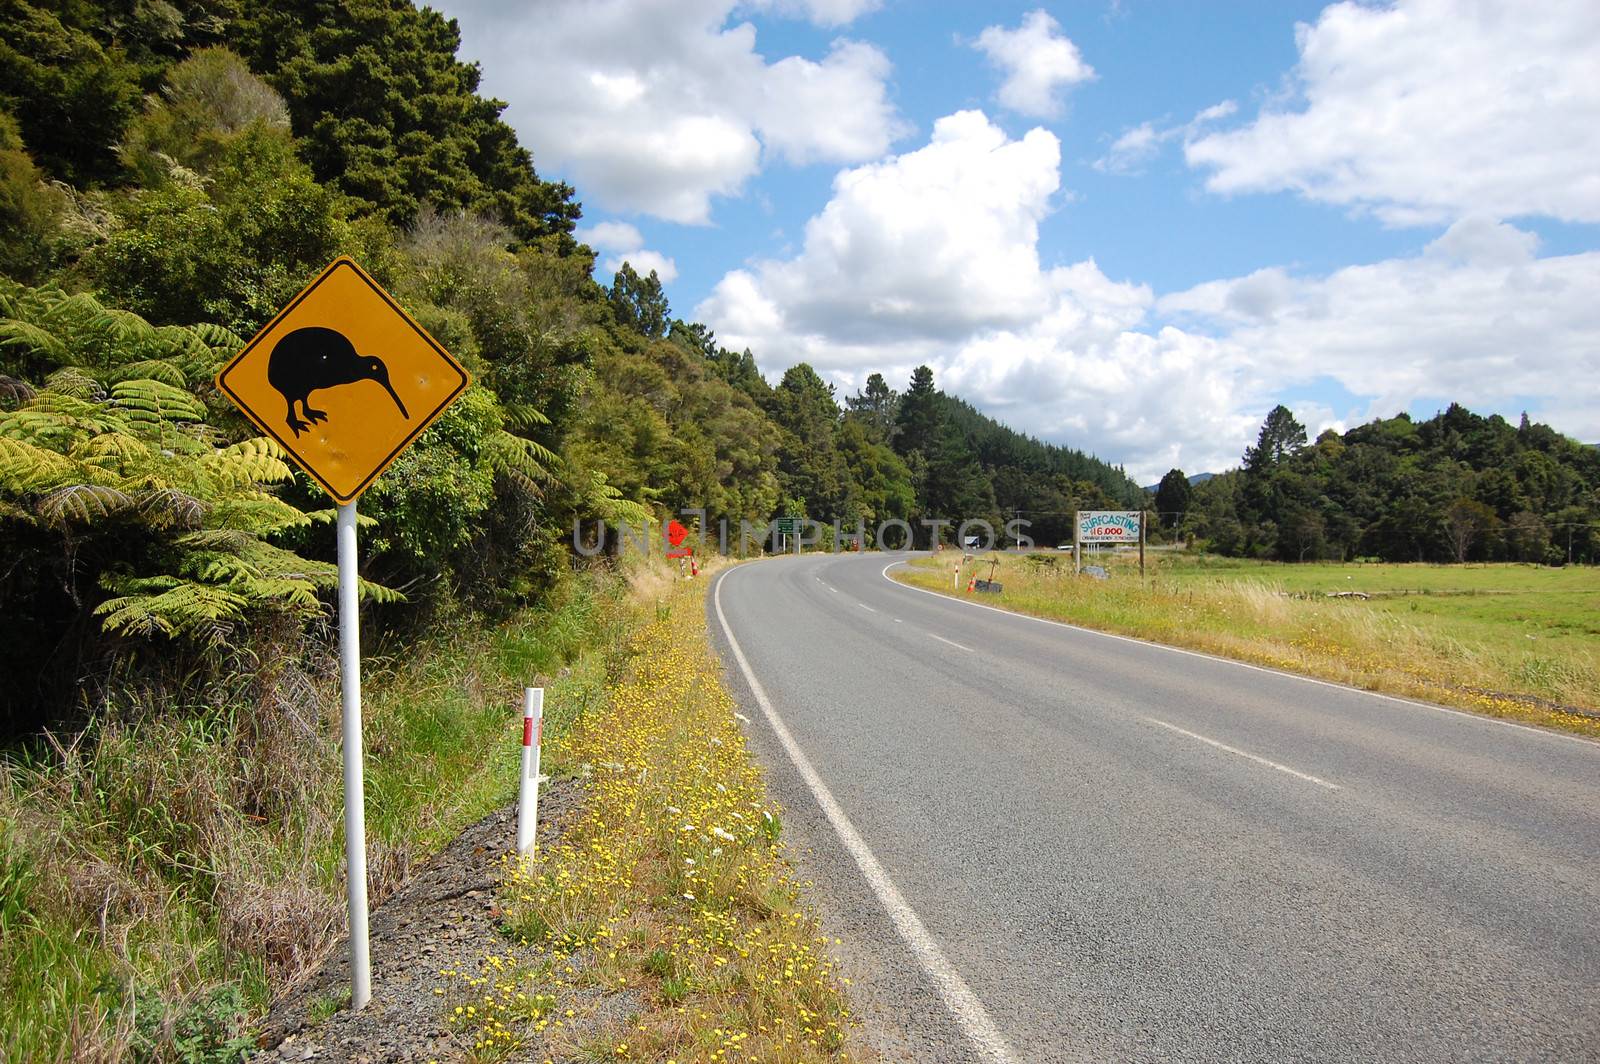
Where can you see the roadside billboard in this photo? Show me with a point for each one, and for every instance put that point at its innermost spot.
(1108, 526)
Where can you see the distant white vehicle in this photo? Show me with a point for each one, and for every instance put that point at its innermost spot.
(971, 542)
(1063, 546)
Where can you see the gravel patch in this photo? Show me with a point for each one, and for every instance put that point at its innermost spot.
(446, 916)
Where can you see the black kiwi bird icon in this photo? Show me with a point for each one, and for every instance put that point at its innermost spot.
(313, 358)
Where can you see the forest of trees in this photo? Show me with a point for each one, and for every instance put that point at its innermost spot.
(171, 173)
(1455, 488)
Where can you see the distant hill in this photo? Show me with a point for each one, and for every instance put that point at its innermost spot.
(1194, 481)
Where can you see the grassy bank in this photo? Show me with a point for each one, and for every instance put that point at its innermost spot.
(1514, 641)
(668, 905)
(166, 871)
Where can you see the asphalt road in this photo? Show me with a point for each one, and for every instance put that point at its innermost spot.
(1099, 849)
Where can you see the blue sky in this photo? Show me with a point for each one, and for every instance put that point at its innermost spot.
(1130, 227)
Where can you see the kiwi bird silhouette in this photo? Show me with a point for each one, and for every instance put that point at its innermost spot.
(313, 358)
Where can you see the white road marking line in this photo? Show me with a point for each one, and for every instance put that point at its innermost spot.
(898, 621)
(1246, 754)
(864, 606)
(969, 1013)
(1243, 664)
(952, 642)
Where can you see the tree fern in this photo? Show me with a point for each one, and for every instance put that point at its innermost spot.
(115, 446)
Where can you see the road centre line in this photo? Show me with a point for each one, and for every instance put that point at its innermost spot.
(1240, 664)
(970, 1015)
(864, 606)
(1246, 754)
(952, 642)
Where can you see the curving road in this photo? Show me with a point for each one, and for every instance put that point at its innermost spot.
(1047, 844)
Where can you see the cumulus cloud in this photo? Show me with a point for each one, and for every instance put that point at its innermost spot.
(660, 108)
(1037, 61)
(1426, 110)
(626, 244)
(932, 256)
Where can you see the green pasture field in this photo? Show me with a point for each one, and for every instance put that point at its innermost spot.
(1517, 641)
(1482, 602)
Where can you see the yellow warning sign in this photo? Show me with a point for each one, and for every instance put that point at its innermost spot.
(343, 379)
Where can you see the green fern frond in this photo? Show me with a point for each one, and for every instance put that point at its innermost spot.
(168, 606)
(256, 512)
(26, 469)
(256, 460)
(147, 402)
(509, 453)
(55, 420)
(155, 369)
(179, 341)
(124, 326)
(30, 338)
(219, 539)
(331, 516)
(609, 503)
(82, 504)
(112, 451)
(217, 337)
(523, 415)
(377, 592)
(12, 293)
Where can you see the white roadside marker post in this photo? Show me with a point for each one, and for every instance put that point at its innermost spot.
(532, 742)
(355, 820)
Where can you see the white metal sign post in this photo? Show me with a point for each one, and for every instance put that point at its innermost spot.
(532, 742)
(355, 818)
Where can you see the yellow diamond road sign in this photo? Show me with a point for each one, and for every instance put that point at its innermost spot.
(343, 379)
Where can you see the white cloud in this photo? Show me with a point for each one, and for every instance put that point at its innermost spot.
(834, 110)
(1475, 318)
(643, 262)
(611, 236)
(661, 108)
(924, 246)
(1425, 110)
(1137, 146)
(1037, 62)
(626, 244)
(932, 256)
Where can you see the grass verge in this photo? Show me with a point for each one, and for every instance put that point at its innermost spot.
(1460, 636)
(165, 872)
(665, 924)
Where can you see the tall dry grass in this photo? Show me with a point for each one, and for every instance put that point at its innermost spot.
(1255, 619)
(170, 868)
